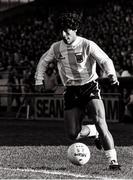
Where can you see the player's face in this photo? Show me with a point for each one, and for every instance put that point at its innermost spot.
(69, 36)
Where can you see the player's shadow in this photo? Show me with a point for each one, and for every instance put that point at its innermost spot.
(19, 133)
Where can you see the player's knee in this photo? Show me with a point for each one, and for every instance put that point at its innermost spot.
(103, 130)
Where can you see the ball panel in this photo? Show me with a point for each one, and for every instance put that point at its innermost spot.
(78, 154)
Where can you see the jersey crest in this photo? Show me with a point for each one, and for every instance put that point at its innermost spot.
(79, 57)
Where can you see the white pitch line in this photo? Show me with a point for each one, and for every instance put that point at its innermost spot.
(52, 172)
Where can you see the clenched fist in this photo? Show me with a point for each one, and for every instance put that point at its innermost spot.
(113, 80)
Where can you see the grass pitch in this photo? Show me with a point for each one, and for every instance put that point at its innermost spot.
(38, 150)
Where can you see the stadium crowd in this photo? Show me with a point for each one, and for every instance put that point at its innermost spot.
(109, 25)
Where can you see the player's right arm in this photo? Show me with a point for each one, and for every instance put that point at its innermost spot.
(45, 59)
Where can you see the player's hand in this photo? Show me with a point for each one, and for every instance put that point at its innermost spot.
(113, 80)
(39, 88)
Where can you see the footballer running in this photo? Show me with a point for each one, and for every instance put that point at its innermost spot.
(76, 59)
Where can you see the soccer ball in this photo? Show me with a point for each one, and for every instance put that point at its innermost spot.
(78, 154)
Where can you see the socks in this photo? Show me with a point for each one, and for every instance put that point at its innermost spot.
(111, 155)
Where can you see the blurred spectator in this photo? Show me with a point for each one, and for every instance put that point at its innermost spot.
(125, 96)
(13, 89)
(128, 113)
(109, 24)
(127, 69)
(118, 70)
(126, 73)
(50, 80)
(28, 100)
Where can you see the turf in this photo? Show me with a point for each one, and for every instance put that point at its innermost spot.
(42, 146)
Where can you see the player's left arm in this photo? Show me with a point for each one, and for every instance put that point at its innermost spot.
(105, 63)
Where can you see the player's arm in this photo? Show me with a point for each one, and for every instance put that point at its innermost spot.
(105, 63)
(41, 68)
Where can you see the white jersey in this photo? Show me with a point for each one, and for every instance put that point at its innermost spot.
(76, 62)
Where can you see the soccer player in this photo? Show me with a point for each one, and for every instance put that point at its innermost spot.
(76, 59)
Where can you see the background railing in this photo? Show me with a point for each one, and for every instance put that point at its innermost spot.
(46, 106)
(49, 106)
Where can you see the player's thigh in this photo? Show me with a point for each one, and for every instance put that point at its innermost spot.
(73, 119)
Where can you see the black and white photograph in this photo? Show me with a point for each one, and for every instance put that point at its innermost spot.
(66, 89)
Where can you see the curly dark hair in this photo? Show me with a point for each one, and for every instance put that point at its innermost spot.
(69, 20)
